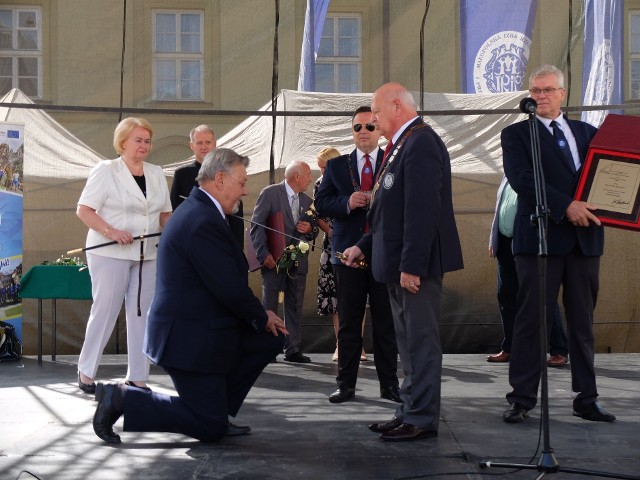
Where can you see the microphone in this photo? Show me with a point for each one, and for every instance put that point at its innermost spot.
(528, 105)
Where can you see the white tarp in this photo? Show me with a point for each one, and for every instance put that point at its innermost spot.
(473, 141)
(51, 151)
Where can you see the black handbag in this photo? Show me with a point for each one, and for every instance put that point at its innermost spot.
(10, 347)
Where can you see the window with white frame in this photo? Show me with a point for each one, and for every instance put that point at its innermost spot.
(21, 50)
(338, 65)
(634, 55)
(178, 55)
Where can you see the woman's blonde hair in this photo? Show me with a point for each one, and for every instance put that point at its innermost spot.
(327, 154)
(124, 129)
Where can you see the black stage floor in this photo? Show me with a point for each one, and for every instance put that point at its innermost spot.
(45, 427)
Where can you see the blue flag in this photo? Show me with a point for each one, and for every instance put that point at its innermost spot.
(602, 64)
(495, 44)
(313, 25)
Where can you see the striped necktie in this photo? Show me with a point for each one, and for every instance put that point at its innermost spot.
(295, 207)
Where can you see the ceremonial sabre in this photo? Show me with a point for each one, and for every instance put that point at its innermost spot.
(339, 255)
(139, 237)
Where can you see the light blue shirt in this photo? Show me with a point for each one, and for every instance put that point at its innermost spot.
(507, 211)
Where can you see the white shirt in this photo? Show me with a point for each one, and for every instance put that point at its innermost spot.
(216, 203)
(360, 160)
(290, 194)
(571, 140)
(402, 129)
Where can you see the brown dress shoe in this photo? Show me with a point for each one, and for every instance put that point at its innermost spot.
(385, 426)
(557, 361)
(500, 357)
(407, 432)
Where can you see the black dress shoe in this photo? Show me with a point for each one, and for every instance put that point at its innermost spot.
(129, 383)
(391, 392)
(110, 399)
(593, 412)
(89, 388)
(385, 426)
(516, 413)
(235, 430)
(297, 358)
(406, 432)
(342, 394)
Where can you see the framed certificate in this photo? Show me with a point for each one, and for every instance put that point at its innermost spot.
(610, 180)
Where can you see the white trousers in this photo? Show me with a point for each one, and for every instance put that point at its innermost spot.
(113, 280)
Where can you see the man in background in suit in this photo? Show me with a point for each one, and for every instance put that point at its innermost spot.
(412, 241)
(206, 328)
(500, 240)
(289, 199)
(575, 242)
(344, 195)
(202, 141)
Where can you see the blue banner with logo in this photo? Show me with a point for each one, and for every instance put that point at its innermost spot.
(495, 44)
(602, 65)
(313, 25)
(11, 188)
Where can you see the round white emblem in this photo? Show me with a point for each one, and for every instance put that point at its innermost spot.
(387, 183)
(599, 90)
(501, 63)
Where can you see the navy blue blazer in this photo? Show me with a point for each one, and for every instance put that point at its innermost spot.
(412, 226)
(332, 200)
(202, 304)
(560, 184)
(184, 179)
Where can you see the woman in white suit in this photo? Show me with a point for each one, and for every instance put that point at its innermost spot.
(123, 198)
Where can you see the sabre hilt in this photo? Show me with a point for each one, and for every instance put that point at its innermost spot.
(357, 263)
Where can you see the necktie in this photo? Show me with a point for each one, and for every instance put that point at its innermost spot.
(387, 152)
(366, 177)
(563, 144)
(295, 207)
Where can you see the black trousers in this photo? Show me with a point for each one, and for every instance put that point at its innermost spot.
(353, 285)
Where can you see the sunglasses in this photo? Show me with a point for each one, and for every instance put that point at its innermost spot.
(369, 126)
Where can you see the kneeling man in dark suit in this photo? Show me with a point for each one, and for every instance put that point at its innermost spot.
(206, 328)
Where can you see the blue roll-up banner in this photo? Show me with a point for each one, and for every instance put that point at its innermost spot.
(495, 43)
(11, 187)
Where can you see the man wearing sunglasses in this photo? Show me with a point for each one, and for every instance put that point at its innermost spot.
(344, 196)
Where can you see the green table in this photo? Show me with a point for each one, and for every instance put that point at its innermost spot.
(54, 282)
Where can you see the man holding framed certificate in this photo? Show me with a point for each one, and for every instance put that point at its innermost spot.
(575, 239)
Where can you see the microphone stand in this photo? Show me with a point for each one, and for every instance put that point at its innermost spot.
(547, 462)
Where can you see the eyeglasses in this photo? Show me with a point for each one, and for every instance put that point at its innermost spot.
(546, 91)
(369, 126)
